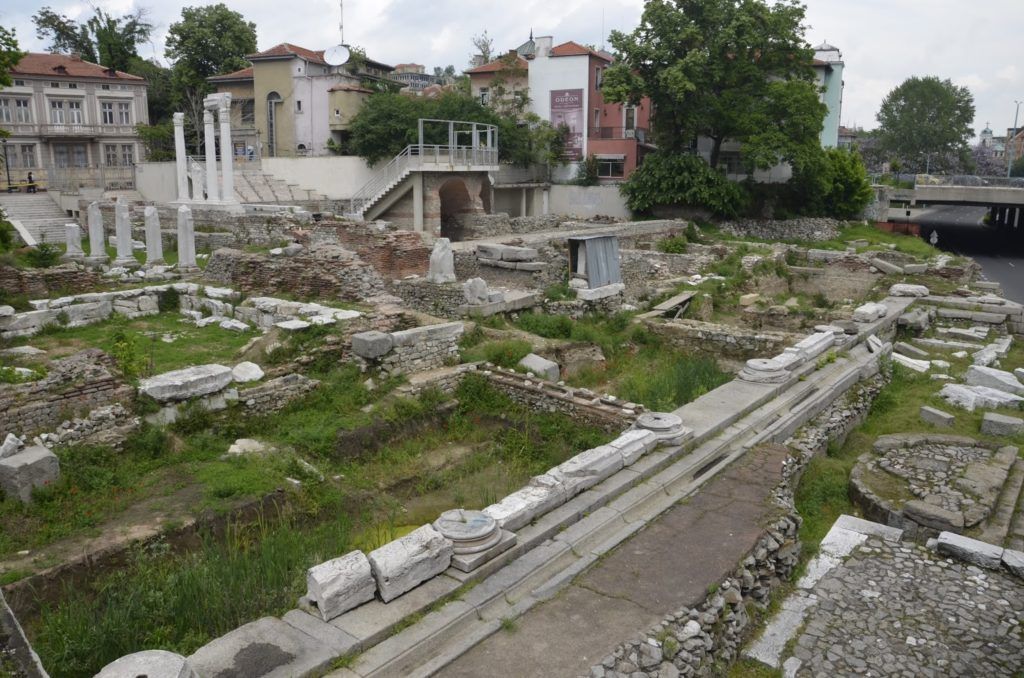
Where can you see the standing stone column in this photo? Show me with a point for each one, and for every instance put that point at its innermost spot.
(123, 235)
(181, 157)
(73, 240)
(227, 152)
(97, 240)
(186, 241)
(154, 246)
(211, 158)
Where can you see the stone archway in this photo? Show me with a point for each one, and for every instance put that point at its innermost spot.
(455, 201)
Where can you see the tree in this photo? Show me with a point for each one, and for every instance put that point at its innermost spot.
(986, 163)
(1017, 169)
(670, 179)
(484, 45)
(159, 92)
(102, 38)
(925, 123)
(504, 96)
(207, 41)
(10, 55)
(724, 69)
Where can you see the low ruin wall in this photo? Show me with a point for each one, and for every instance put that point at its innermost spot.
(809, 229)
(73, 387)
(419, 294)
(44, 282)
(727, 340)
(305, 276)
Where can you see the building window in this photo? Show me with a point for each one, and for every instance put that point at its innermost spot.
(26, 157)
(611, 168)
(55, 85)
(298, 106)
(107, 113)
(57, 112)
(484, 96)
(127, 154)
(110, 155)
(124, 114)
(22, 110)
(247, 111)
(72, 85)
(630, 114)
(75, 113)
(597, 117)
(5, 111)
(19, 83)
(104, 86)
(597, 78)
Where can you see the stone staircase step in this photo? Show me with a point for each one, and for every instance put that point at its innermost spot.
(1014, 537)
(997, 527)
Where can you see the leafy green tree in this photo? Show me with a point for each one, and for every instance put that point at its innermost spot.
(724, 69)
(159, 93)
(158, 140)
(926, 123)
(1017, 169)
(671, 179)
(208, 41)
(831, 183)
(102, 38)
(385, 125)
(10, 55)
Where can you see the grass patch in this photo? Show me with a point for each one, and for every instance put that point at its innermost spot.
(505, 353)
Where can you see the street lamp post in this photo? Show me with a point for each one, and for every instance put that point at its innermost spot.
(7, 168)
(1009, 142)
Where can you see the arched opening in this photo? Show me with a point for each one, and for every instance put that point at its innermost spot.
(455, 202)
(273, 99)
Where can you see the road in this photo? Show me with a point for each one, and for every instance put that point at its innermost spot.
(1000, 254)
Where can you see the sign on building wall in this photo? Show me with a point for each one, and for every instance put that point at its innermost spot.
(567, 109)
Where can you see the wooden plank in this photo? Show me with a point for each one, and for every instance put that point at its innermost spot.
(675, 301)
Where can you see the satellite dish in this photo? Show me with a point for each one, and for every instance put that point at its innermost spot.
(337, 55)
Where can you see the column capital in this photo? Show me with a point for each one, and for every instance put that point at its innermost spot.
(207, 117)
(179, 119)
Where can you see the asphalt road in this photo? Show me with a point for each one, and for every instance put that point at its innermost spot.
(1000, 253)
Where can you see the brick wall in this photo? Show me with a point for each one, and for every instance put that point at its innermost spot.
(394, 253)
(39, 283)
(73, 387)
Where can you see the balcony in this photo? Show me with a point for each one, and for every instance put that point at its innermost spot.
(639, 134)
(70, 131)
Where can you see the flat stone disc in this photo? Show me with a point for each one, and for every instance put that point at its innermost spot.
(659, 421)
(469, 531)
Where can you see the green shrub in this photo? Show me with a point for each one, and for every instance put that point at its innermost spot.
(43, 255)
(6, 236)
(548, 326)
(682, 180)
(193, 418)
(127, 355)
(675, 245)
(169, 301)
(559, 292)
(149, 442)
(586, 173)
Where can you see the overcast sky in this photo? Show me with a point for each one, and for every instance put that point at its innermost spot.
(976, 44)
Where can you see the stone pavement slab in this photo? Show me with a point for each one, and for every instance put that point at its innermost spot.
(665, 567)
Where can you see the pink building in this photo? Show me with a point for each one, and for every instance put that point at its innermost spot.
(564, 86)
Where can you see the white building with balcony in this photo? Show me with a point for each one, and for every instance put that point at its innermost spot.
(69, 119)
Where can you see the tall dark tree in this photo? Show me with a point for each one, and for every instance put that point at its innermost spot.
(208, 41)
(925, 123)
(102, 38)
(723, 69)
(10, 55)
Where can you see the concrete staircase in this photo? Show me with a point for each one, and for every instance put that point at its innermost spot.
(259, 187)
(41, 217)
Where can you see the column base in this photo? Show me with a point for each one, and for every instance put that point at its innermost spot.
(128, 262)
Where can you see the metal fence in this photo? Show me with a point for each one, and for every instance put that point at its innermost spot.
(71, 179)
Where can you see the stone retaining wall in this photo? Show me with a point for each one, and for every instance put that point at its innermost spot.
(44, 282)
(492, 225)
(419, 349)
(442, 300)
(73, 387)
(330, 274)
(718, 340)
(275, 394)
(608, 414)
(217, 227)
(793, 229)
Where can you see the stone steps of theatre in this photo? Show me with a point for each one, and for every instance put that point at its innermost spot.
(264, 187)
(41, 216)
(570, 539)
(1011, 505)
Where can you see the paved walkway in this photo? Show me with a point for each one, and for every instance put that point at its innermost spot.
(668, 566)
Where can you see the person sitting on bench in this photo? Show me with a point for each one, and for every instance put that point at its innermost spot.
(31, 188)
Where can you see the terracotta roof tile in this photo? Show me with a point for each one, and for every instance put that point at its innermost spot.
(499, 64)
(286, 49)
(575, 49)
(65, 66)
(244, 74)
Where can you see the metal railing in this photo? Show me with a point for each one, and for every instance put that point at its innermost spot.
(911, 181)
(438, 157)
(107, 178)
(638, 133)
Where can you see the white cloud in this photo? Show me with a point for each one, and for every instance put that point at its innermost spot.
(883, 41)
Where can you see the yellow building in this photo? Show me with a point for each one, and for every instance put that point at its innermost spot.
(291, 102)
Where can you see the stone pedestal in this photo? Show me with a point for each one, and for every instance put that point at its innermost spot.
(73, 241)
(181, 157)
(476, 537)
(761, 371)
(97, 246)
(667, 427)
(186, 241)
(154, 245)
(149, 663)
(123, 233)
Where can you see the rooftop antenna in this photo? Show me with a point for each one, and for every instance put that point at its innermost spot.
(340, 53)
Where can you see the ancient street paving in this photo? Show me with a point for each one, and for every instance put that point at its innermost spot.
(668, 566)
(897, 609)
